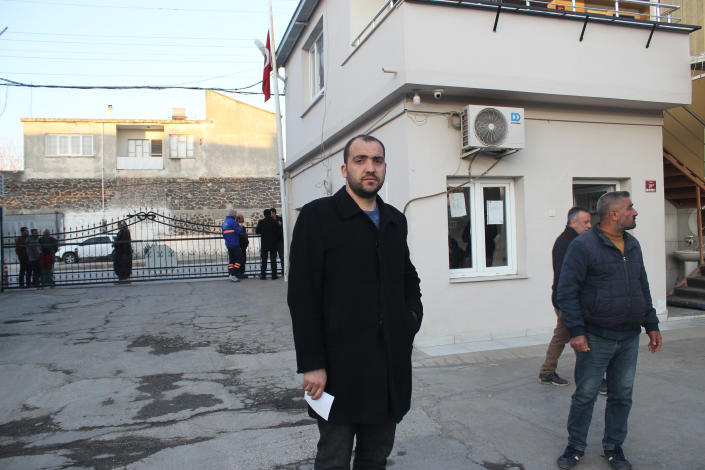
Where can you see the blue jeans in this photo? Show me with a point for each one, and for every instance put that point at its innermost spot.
(618, 358)
(373, 446)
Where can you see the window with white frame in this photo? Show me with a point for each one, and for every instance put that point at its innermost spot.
(481, 229)
(316, 68)
(69, 145)
(314, 71)
(138, 148)
(181, 146)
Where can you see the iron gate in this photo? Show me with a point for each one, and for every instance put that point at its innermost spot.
(163, 248)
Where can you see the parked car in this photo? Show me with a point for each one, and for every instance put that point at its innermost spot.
(97, 247)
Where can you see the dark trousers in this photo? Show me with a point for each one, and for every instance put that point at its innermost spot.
(373, 445)
(236, 264)
(280, 252)
(272, 253)
(25, 272)
(36, 272)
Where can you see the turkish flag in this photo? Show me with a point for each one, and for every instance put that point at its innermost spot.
(267, 70)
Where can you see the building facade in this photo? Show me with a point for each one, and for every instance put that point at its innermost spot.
(481, 228)
(88, 170)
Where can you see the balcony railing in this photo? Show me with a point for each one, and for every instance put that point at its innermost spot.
(140, 163)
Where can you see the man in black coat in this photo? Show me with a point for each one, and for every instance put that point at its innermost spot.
(355, 305)
(270, 233)
(578, 222)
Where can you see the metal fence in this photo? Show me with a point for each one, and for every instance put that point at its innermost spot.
(163, 248)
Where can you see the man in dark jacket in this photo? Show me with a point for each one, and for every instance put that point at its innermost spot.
(21, 252)
(604, 298)
(231, 234)
(280, 243)
(33, 250)
(355, 305)
(578, 222)
(270, 234)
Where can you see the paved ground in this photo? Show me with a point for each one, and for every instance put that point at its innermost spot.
(202, 375)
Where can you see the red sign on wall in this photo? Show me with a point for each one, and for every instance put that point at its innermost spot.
(650, 186)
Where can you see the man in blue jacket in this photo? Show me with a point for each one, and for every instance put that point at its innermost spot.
(231, 234)
(603, 295)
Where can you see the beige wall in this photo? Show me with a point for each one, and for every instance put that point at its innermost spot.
(235, 140)
(38, 165)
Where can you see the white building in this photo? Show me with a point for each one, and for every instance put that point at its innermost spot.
(592, 93)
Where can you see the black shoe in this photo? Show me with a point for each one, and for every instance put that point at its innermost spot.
(617, 459)
(275, 277)
(552, 378)
(262, 278)
(603, 387)
(570, 458)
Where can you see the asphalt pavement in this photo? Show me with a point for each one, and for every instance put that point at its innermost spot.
(201, 375)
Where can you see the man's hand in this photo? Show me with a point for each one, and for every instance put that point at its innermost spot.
(579, 343)
(655, 341)
(315, 382)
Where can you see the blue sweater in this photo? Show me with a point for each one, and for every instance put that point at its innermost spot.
(603, 292)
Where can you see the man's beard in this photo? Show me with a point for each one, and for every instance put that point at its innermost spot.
(361, 191)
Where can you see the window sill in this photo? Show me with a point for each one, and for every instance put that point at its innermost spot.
(315, 100)
(506, 277)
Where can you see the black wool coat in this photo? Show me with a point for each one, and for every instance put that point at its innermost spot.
(355, 303)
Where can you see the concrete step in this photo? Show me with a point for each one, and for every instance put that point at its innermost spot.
(690, 292)
(688, 302)
(696, 282)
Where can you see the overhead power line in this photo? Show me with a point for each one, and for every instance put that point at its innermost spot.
(133, 36)
(241, 90)
(122, 44)
(129, 7)
(115, 59)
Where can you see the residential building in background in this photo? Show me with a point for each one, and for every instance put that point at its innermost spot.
(81, 171)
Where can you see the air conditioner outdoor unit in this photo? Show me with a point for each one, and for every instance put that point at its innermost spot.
(492, 128)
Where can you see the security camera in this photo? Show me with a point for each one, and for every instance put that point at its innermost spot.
(438, 93)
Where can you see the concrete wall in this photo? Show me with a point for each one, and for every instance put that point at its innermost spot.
(529, 58)
(561, 145)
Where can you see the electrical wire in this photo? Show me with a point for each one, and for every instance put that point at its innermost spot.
(7, 82)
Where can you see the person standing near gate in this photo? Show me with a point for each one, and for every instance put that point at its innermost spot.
(244, 243)
(49, 246)
(25, 277)
(604, 298)
(578, 222)
(355, 303)
(33, 251)
(270, 232)
(231, 234)
(122, 253)
(280, 243)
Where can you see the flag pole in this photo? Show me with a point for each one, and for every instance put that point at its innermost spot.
(280, 147)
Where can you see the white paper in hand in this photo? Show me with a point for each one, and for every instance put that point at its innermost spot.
(322, 405)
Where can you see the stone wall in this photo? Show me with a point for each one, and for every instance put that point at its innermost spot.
(202, 199)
